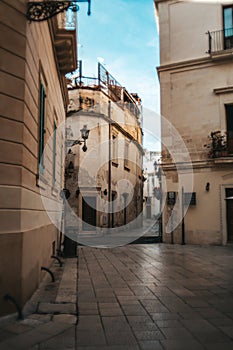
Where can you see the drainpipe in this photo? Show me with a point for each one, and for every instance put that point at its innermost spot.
(182, 213)
(80, 71)
(109, 164)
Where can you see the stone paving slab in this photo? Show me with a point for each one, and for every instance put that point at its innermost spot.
(65, 318)
(64, 340)
(52, 308)
(36, 336)
(150, 345)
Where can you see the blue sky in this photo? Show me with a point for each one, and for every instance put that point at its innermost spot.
(124, 34)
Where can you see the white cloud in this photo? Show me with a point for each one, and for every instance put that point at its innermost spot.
(100, 59)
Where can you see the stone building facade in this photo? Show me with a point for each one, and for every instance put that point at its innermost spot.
(105, 182)
(151, 187)
(196, 78)
(34, 59)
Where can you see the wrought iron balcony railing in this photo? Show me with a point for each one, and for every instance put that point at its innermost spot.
(108, 84)
(67, 20)
(220, 40)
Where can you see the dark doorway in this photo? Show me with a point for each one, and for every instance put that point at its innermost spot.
(148, 207)
(229, 204)
(89, 213)
(125, 196)
(229, 117)
(113, 209)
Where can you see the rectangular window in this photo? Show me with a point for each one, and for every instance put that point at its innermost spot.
(61, 163)
(114, 149)
(54, 151)
(228, 26)
(229, 123)
(189, 198)
(41, 128)
(126, 155)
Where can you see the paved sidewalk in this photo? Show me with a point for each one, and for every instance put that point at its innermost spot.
(135, 297)
(50, 317)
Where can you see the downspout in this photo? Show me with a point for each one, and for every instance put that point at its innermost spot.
(109, 164)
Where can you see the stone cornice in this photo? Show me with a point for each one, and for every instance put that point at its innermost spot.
(223, 90)
(191, 63)
(209, 163)
(117, 126)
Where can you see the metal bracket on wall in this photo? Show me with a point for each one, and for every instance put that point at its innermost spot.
(42, 10)
(58, 260)
(8, 297)
(49, 271)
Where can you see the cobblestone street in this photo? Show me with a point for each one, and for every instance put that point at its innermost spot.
(134, 297)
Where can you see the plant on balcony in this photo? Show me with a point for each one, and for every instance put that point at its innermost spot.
(217, 144)
(165, 157)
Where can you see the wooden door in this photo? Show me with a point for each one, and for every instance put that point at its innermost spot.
(229, 204)
(89, 213)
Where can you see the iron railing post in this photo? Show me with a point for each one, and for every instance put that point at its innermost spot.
(99, 79)
(220, 40)
(80, 69)
(209, 41)
(182, 213)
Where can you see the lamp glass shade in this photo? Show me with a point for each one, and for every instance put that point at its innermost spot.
(84, 132)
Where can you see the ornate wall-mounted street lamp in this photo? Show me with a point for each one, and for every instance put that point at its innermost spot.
(84, 134)
(42, 10)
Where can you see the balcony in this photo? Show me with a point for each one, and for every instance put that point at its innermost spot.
(109, 85)
(63, 30)
(220, 41)
(220, 145)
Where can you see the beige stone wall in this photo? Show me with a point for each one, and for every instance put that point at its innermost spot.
(205, 222)
(26, 233)
(94, 163)
(194, 90)
(95, 101)
(190, 103)
(182, 36)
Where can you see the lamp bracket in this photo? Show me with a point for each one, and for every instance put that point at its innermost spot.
(42, 10)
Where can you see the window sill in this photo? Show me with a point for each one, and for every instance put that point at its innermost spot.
(54, 191)
(223, 54)
(223, 90)
(224, 160)
(41, 181)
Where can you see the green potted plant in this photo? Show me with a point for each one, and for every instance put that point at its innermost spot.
(217, 144)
